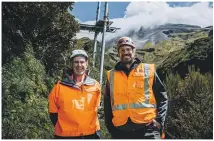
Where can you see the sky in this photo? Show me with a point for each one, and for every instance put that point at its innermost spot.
(133, 15)
(116, 10)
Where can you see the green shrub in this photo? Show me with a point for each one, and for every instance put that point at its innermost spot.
(191, 108)
(24, 102)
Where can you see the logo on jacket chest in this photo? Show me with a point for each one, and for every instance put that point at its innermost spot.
(79, 103)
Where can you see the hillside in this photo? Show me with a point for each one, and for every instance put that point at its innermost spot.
(198, 53)
(161, 53)
(156, 34)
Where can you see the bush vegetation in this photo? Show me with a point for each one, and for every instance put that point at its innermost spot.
(191, 105)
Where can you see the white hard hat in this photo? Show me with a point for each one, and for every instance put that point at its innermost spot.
(78, 52)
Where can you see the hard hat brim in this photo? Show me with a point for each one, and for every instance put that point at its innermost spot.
(126, 45)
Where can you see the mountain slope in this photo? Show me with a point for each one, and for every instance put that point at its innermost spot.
(199, 53)
(156, 34)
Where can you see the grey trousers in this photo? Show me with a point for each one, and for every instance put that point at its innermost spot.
(149, 132)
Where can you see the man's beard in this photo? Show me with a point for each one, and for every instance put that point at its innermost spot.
(129, 62)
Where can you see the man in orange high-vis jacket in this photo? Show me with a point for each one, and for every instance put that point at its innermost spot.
(135, 100)
(74, 102)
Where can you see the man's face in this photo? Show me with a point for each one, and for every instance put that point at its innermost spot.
(79, 65)
(126, 54)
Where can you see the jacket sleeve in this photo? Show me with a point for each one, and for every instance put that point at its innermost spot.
(161, 99)
(52, 105)
(54, 118)
(107, 109)
(52, 100)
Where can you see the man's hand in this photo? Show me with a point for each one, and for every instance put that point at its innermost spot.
(155, 124)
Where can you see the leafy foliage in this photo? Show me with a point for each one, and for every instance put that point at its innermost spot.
(24, 99)
(191, 113)
(47, 26)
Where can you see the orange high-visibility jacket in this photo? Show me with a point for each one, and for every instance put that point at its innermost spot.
(76, 107)
(133, 96)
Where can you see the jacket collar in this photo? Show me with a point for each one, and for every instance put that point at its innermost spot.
(69, 81)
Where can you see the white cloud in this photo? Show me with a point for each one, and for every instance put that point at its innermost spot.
(85, 33)
(149, 14)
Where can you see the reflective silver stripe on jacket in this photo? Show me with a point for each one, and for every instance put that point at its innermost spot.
(141, 105)
(112, 87)
(146, 82)
(133, 106)
(119, 107)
